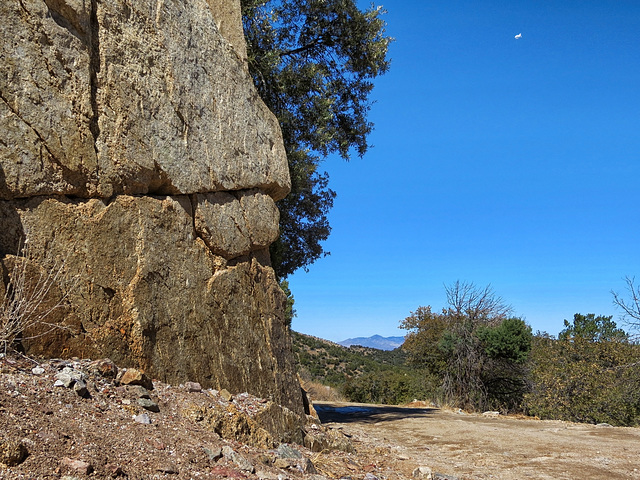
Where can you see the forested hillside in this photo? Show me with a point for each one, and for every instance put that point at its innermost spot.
(360, 374)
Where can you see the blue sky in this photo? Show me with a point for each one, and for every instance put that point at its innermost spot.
(495, 160)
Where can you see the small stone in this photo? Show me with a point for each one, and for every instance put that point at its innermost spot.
(114, 470)
(303, 465)
(220, 471)
(133, 376)
(168, 469)
(138, 391)
(423, 473)
(148, 404)
(58, 383)
(238, 459)
(287, 451)
(193, 387)
(12, 452)
(370, 476)
(143, 418)
(442, 476)
(224, 393)
(37, 370)
(214, 454)
(104, 367)
(265, 459)
(79, 466)
(80, 387)
(65, 378)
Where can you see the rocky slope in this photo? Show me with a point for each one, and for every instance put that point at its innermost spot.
(77, 419)
(141, 168)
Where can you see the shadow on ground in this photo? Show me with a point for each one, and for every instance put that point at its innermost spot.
(362, 413)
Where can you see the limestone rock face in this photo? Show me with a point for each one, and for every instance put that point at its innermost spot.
(135, 152)
(146, 97)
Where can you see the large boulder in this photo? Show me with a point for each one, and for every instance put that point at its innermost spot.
(142, 169)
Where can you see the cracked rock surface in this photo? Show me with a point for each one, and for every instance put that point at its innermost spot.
(139, 163)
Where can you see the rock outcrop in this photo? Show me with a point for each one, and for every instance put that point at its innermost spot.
(139, 163)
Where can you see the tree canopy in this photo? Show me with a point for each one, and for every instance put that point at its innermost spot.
(474, 346)
(313, 62)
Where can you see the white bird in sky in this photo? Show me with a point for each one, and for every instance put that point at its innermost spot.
(518, 36)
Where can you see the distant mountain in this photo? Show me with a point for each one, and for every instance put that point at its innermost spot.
(381, 343)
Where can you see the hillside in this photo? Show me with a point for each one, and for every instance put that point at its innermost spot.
(360, 374)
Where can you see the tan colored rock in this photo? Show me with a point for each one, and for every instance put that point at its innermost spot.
(232, 227)
(135, 151)
(220, 222)
(152, 295)
(133, 376)
(46, 142)
(102, 98)
(229, 21)
(12, 452)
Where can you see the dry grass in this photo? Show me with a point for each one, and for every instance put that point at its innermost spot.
(321, 393)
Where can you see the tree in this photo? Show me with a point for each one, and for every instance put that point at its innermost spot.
(289, 311)
(592, 329)
(426, 330)
(473, 345)
(312, 62)
(631, 307)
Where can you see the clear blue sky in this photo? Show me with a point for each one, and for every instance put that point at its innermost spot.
(495, 160)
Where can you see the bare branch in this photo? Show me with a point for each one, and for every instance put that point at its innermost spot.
(631, 306)
(28, 303)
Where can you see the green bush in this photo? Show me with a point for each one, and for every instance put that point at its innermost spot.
(389, 387)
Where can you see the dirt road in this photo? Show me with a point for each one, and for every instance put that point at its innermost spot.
(492, 447)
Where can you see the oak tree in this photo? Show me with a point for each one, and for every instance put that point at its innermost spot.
(313, 62)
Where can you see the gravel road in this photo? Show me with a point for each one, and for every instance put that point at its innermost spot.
(476, 446)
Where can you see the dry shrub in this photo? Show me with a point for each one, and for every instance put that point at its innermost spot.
(321, 393)
(30, 298)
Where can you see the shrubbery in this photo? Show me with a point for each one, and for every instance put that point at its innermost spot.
(474, 355)
(589, 374)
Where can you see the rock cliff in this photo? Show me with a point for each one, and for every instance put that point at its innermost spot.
(137, 159)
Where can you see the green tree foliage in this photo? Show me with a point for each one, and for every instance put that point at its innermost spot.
(289, 311)
(591, 329)
(390, 387)
(477, 350)
(589, 374)
(313, 62)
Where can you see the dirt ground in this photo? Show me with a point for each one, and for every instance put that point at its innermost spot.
(50, 431)
(476, 446)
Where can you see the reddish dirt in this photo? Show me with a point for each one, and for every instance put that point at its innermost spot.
(476, 446)
(97, 436)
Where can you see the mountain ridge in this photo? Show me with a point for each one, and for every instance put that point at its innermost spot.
(374, 341)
